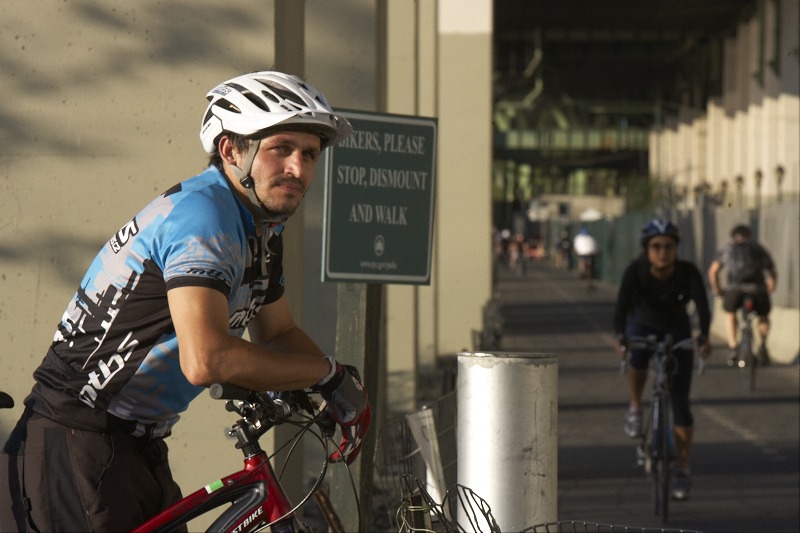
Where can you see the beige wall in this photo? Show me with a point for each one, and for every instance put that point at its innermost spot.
(463, 216)
(101, 109)
(402, 89)
(751, 127)
(426, 321)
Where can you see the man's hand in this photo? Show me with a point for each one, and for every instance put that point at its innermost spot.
(772, 281)
(704, 347)
(347, 405)
(622, 346)
(713, 277)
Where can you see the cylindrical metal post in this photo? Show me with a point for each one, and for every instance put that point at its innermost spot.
(508, 434)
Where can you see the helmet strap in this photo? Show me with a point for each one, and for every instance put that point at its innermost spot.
(246, 180)
(243, 174)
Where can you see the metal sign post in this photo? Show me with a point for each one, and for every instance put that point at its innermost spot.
(377, 229)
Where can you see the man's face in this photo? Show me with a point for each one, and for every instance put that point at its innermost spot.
(662, 251)
(283, 169)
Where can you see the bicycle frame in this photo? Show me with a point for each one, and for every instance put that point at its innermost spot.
(254, 493)
(256, 499)
(656, 448)
(746, 359)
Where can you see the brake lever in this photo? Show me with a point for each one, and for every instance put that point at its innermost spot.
(327, 425)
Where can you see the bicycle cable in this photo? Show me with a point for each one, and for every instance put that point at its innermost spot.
(304, 428)
(294, 440)
(324, 441)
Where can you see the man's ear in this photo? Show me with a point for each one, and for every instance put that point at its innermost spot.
(226, 150)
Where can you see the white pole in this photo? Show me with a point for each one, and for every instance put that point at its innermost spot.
(508, 435)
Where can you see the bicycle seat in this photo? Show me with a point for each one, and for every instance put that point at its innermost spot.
(748, 288)
(6, 401)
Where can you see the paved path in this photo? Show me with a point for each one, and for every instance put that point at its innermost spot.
(745, 459)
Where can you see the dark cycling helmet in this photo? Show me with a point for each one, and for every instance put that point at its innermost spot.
(255, 103)
(741, 230)
(658, 227)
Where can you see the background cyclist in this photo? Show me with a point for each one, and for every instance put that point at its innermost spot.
(586, 249)
(160, 315)
(653, 296)
(745, 262)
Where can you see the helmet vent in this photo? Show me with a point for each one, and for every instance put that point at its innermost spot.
(226, 105)
(256, 101)
(282, 93)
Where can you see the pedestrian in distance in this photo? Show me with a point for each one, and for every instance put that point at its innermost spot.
(653, 296)
(518, 254)
(746, 263)
(564, 250)
(160, 316)
(586, 249)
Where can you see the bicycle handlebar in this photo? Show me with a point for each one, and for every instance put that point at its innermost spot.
(269, 408)
(6, 401)
(225, 391)
(652, 342)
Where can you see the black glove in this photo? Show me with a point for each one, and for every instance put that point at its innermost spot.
(347, 405)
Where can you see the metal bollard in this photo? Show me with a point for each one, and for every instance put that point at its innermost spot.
(508, 435)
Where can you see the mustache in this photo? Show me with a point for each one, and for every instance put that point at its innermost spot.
(288, 180)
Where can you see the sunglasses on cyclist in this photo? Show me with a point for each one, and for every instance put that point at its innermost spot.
(657, 246)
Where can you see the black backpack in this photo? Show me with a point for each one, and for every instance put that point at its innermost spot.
(743, 265)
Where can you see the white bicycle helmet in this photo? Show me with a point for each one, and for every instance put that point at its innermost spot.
(259, 101)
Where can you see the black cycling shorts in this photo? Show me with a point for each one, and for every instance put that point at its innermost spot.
(733, 299)
(681, 379)
(76, 480)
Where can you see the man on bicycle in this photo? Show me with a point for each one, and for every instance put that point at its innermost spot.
(160, 315)
(653, 296)
(586, 249)
(745, 262)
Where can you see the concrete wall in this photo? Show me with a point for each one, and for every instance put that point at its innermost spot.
(101, 111)
(463, 217)
(753, 127)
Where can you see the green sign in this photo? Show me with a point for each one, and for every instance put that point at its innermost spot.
(379, 201)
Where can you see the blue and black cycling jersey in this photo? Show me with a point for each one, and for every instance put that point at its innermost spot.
(115, 352)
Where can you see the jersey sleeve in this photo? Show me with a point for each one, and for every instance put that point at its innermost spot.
(624, 298)
(199, 244)
(767, 261)
(275, 288)
(700, 297)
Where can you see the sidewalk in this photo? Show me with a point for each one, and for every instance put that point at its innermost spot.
(747, 444)
(746, 448)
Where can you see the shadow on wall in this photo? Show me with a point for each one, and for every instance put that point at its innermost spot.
(67, 256)
(165, 35)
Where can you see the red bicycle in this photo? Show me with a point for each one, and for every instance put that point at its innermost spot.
(254, 494)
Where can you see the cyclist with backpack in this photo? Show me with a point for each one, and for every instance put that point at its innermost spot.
(745, 262)
(653, 296)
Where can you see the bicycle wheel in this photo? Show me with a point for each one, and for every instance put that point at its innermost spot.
(747, 360)
(662, 455)
(644, 450)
